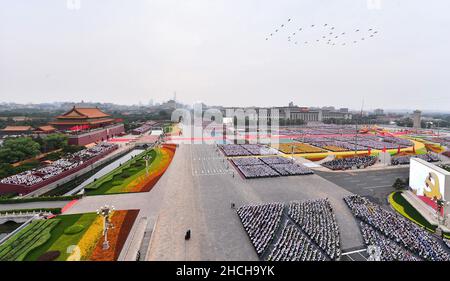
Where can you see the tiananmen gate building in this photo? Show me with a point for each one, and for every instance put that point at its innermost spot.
(87, 125)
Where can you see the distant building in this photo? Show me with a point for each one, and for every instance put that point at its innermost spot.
(48, 129)
(87, 125)
(378, 111)
(16, 130)
(417, 116)
(296, 113)
(79, 117)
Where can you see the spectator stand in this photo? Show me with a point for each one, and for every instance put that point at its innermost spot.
(398, 237)
(298, 231)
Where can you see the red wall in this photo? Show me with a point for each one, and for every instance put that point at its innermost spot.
(23, 189)
(96, 136)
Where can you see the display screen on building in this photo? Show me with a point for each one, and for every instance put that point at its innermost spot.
(428, 181)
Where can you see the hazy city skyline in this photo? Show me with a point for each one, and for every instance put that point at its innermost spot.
(215, 51)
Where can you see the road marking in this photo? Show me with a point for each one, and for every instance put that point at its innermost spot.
(355, 251)
(377, 186)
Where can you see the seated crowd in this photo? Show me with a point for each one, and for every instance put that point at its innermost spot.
(142, 129)
(406, 159)
(71, 161)
(234, 150)
(447, 242)
(350, 162)
(311, 233)
(292, 169)
(246, 149)
(317, 220)
(294, 245)
(247, 161)
(276, 160)
(257, 171)
(260, 223)
(259, 149)
(398, 229)
(398, 141)
(374, 144)
(390, 250)
(269, 167)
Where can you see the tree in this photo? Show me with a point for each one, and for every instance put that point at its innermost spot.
(53, 142)
(18, 149)
(164, 115)
(72, 148)
(6, 170)
(399, 184)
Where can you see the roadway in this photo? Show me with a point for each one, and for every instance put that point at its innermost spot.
(201, 202)
(376, 185)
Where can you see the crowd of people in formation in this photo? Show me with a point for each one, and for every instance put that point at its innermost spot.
(350, 162)
(259, 149)
(246, 149)
(293, 169)
(443, 141)
(294, 245)
(319, 130)
(234, 150)
(317, 220)
(276, 160)
(340, 145)
(257, 171)
(398, 141)
(389, 250)
(247, 161)
(271, 166)
(260, 222)
(71, 161)
(397, 228)
(374, 144)
(142, 129)
(447, 242)
(406, 159)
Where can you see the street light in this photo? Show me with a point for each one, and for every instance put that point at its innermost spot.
(105, 212)
(440, 204)
(147, 158)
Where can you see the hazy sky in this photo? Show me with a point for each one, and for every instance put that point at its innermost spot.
(215, 51)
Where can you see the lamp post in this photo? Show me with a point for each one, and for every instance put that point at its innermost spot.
(147, 158)
(440, 204)
(105, 212)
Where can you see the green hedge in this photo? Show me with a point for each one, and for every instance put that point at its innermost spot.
(40, 199)
(402, 206)
(32, 236)
(55, 211)
(73, 229)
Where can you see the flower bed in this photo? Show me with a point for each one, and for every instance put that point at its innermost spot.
(298, 148)
(122, 222)
(55, 239)
(32, 236)
(132, 176)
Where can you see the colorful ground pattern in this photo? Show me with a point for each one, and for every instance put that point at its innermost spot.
(69, 238)
(132, 176)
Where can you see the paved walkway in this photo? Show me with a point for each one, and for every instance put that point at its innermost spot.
(202, 202)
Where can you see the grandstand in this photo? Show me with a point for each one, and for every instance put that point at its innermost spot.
(31, 180)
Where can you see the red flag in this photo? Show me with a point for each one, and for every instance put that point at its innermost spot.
(369, 150)
(384, 149)
(398, 149)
